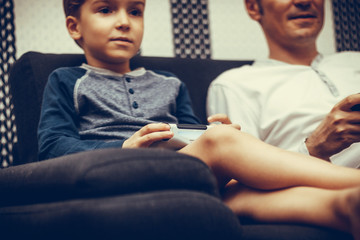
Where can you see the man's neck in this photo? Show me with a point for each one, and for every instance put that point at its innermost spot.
(299, 55)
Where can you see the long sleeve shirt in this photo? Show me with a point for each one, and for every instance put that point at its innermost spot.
(87, 108)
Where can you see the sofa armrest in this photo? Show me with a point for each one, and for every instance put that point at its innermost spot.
(160, 215)
(104, 172)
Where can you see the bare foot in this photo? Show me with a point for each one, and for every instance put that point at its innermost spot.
(354, 208)
(347, 210)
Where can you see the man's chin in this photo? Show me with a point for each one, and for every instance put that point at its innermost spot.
(306, 29)
(305, 34)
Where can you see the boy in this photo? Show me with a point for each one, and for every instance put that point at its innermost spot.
(105, 104)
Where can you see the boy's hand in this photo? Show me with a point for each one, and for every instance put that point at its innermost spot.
(223, 119)
(148, 135)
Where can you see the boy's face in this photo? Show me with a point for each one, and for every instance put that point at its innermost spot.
(109, 31)
(291, 20)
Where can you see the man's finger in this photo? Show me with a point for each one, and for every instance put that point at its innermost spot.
(223, 118)
(350, 103)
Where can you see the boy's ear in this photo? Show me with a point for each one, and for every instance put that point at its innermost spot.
(73, 28)
(253, 9)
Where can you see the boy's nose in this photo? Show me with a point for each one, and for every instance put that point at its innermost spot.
(122, 21)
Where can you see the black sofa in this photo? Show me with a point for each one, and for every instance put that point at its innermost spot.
(119, 193)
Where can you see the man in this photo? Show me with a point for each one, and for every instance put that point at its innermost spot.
(297, 99)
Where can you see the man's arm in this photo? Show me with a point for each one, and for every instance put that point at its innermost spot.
(339, 129)
(232, 101)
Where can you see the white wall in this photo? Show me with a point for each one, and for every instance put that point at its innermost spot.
(40, 26)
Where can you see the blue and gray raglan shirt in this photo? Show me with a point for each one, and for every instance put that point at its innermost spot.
(87, 108)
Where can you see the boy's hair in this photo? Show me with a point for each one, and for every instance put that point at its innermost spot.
(72, 7)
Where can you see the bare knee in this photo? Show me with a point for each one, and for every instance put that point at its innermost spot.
(221, 136)
(216, 147)
(219, 141)
(212, 145)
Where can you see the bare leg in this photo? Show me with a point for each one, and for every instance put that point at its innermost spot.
(232, 154)
(338, 209)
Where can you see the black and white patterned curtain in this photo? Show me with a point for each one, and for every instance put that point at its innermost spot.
(347, 24)
(191, 32)
(7, 57)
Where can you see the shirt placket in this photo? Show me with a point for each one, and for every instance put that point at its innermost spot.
(131, 93)
(324, 78)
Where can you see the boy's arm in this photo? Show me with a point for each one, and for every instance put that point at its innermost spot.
(58, 127)
(184, 111)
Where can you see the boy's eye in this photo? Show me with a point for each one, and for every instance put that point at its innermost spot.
(104, 10)
(136, 12)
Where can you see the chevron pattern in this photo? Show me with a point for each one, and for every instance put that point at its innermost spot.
(190, 20)
(347, 24)
(7, 57)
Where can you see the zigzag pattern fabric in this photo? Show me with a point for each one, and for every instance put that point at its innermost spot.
(347, 24)
(190, 19)
(7, 57)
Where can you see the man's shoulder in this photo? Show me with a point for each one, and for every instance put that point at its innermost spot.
(345, 53)
(258, 71)
(235, 73)
(346, 56)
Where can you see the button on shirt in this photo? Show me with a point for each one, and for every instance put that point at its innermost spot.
(112, 105)
(282, 103)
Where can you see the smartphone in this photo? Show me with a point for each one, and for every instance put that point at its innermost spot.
(356, 107)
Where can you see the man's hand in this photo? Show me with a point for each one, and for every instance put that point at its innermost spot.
(339, 129)
(223, 119)
(148, 135)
